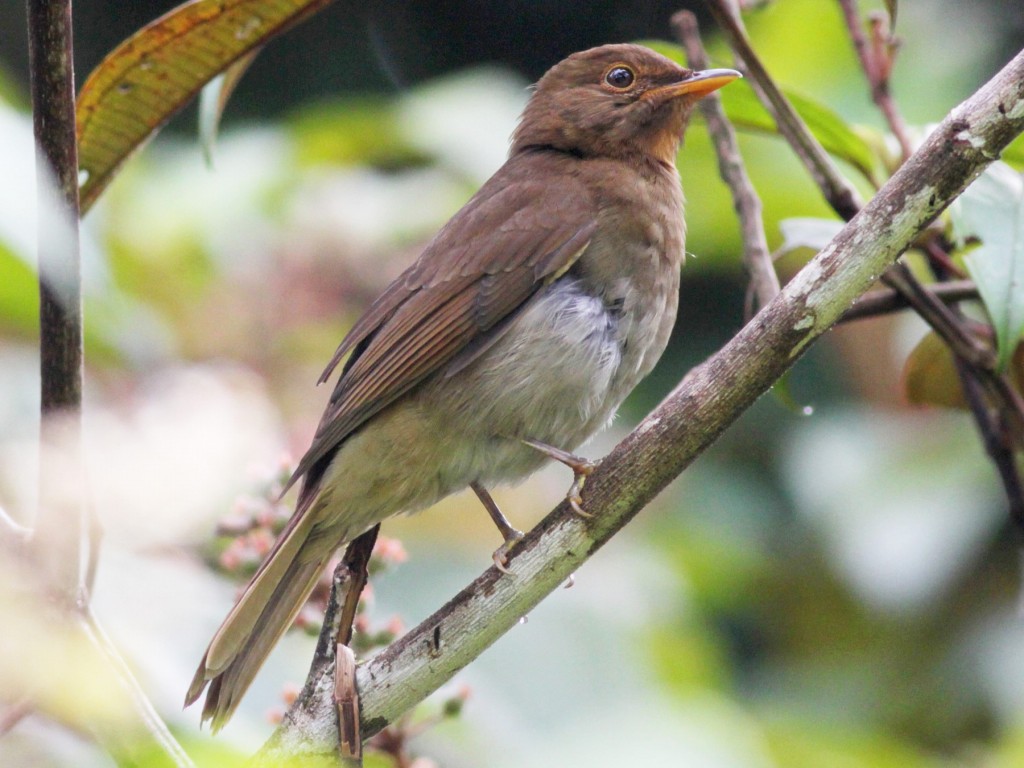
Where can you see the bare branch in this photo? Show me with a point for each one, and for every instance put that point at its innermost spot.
(963, 343)
(837, 190)
(163, 749)
(888, 300)
(764, 282)
(968, 347)
(991, 423)
(877, 61)
(14, 713)
(12, 532)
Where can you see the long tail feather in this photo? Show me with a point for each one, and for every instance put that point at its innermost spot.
(261, 616)
(235, 674)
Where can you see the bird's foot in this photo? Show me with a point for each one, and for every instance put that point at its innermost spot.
(500, 555)
(511, 535)
(580, 467)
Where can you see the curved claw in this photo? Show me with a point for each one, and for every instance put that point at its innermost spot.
(500, 555)
(580, 472)
(580, 469)
(576, 503)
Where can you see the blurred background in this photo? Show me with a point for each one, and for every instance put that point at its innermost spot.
(834, 583)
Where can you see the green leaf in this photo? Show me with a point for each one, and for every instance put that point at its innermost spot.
(10, 92)
(992, 210)
(821, 741)
(19, 293)
(745, 111)
(159, 69)
(782, 391)
(1013, 155)
(364, 129)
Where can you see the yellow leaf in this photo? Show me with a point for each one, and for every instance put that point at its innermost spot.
(930, 376)
(159, 69)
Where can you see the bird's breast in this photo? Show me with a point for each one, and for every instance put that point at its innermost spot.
(634, 259)
(561, 367)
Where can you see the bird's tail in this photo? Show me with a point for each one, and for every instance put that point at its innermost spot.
(263, 613)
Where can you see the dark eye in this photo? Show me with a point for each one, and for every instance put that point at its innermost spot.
(620, 77)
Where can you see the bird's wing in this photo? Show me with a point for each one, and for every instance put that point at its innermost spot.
(514, 237)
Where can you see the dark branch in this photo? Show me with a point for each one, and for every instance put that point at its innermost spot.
(888, 300)
(839, 193)
(764, 282)
(877, 62)
(58, 532)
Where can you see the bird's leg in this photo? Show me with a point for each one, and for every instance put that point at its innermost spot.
(580, 469)
(511, 535)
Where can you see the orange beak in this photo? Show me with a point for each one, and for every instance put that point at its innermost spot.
(698, 84)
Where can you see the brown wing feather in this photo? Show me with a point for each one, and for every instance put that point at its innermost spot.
(514, 236)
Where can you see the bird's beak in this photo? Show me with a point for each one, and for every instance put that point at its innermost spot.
(698, 84)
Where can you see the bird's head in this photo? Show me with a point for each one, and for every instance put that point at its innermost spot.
(622, 101)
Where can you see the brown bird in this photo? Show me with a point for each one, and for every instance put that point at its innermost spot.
(512, 339)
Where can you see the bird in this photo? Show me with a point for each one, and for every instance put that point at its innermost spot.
(511, 340)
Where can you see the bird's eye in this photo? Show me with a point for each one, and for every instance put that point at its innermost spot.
(620, 77)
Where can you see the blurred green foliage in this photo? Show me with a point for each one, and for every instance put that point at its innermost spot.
(833, 589)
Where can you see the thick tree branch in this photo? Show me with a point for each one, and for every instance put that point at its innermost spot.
(708, 400)
(843, 200)
(1002, 429)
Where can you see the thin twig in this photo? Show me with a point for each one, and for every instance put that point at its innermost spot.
(966, 346)
(838, 191)
(764, 282)
(1002, 426)
(821, 169)
(833, 186)
(993, 436)
(877, 61)
(94, 530)
(934, 245)
(137, 735)
(887, 300)
(348, 582)
(11, 531)
(13, 714)
(148, 718)
(963, 343)
(357, 561)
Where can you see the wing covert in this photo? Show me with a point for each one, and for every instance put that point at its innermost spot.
(480, 269)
